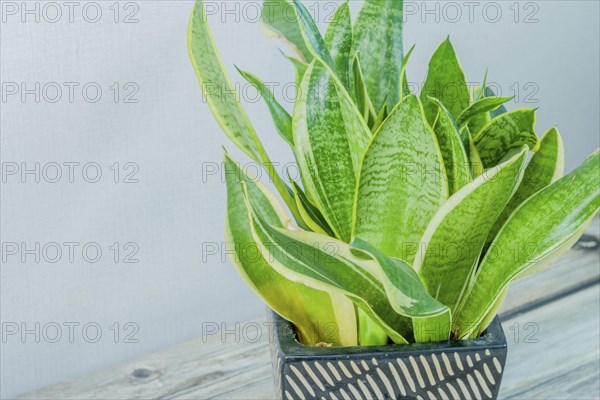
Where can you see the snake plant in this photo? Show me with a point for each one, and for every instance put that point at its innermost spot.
(414, 212)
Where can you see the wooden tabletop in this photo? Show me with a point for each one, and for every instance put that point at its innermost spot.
(551, 321)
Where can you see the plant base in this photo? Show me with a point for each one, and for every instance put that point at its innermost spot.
(445, 370)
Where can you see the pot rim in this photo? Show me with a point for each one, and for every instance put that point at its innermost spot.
(286, 339)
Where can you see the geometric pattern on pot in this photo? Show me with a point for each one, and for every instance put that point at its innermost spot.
(469, 369)
(447, 376)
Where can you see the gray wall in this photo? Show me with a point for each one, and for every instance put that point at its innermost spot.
(169, 139)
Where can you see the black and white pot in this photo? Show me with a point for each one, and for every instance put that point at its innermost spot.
(445, 370)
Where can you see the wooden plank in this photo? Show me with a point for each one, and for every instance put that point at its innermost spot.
(578, 268)
(557, 355)
(563, 302)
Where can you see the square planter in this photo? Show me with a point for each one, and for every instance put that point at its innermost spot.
(445, 370)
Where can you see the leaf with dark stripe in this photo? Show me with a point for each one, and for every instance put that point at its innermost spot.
(312, 37)
(484, 105)
(228, 111)
(537, 233)
(310, 214)
(326, 264)
(381, 116)
(329, 137)
(506, 133)
(387, 290)
(281, 118)
(456, 161)
(478, 121)
(402, 182)
(360, 93)
(489, 92)
(475, 164)
(278, 17)
(378, 38)
(338, 40)
(404, 88)
(446, 82)
(214, 81)
(450, 248)
(400, 282)
(546, 166)
(309, 309)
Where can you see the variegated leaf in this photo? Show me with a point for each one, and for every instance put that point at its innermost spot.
(478, 121)
(281, 118)
(309, 309)
(537, 233)
(370, 333)
(278, 19)
(404, 88)
(227, 111)
(214, 81)
(381, 116)
(451, 245)
(311, 215)
(329, 137)
(312, 37)
(326, 264)
(506, 133)
(360, 93)
(338, 40)
(455, 158)
(483, 105)
(546, 166)
(378, 38)
(401, 283)
(475, 164)
(446, 82)
(402, 182)
(387, 290)
(489, 92)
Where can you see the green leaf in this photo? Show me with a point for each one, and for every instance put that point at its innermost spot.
(281, 118)
(506, 133)
(369, 331)
(359, 90)
(278, 18)
(381, 116)
(481, 106)
(446, 82)
(329, 137)
(404, 89)
(378, 38)
(338, 40)
(475, 164)
(407, 294)
(489, 92)
(451, 245)
(300, 68)
(312, 311)
(477, 122)
(326, 264)
(310, 214)
(546, 166)
(402, 182)
(456, 161)
(537, 233)
(387, 290)
(214, 82)
(228, 111)
(312, 37)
